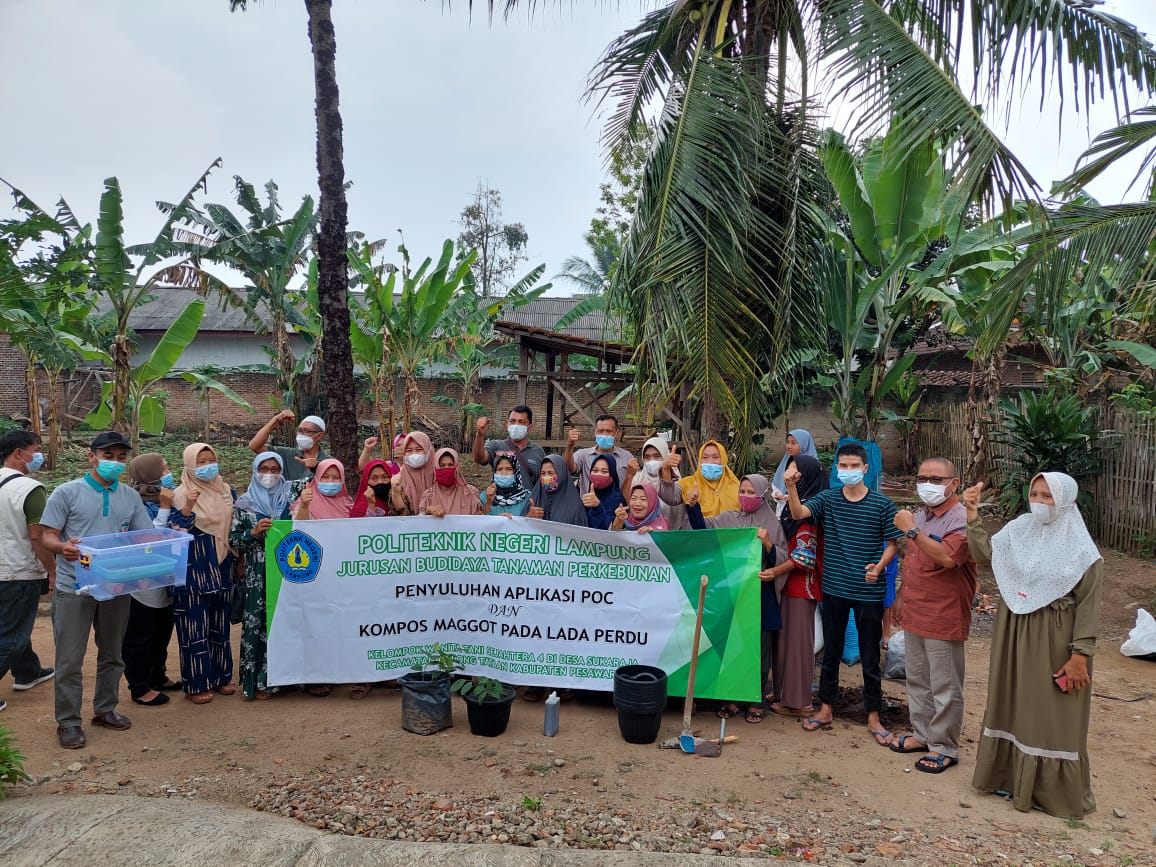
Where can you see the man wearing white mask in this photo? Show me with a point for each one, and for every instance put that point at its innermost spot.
(517, 442)
(934, 608)
(300, 462)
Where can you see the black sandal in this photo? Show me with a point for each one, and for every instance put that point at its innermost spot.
(727, 710)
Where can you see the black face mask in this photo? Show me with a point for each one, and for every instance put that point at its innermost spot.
(381, 492)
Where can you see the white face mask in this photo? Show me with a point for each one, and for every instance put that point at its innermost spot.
(416, 460)
(268, 481)
(652, 467)
(304, 442)
(517, 432)
(931, 494)
(1044, 513)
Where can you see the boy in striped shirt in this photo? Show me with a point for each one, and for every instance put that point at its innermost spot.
(858, 535)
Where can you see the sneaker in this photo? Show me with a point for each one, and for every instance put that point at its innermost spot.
(45, 674)
(3, 704)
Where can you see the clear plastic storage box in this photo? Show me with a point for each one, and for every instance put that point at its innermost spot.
(119, 563)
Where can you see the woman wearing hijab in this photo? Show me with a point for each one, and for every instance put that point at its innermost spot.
(417, 465)
(642, 512)
(1034, 743)
(325, 495)
(794, 668)
(604, 496)
(717, 485)
(554, 497)
(654, 470)
(506, 494)
(450, 493)
(754, 511)
(266, 500)
(203, 505)
(150, 619)
(377, 496)
(799, 442)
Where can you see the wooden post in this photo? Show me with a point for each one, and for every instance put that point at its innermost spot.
(523, 371)
(549, 396)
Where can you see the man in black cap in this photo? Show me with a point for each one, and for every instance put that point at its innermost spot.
(95, 504)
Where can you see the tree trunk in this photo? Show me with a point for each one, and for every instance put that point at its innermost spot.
(333, 276)
(977, 460)
(33, 395)
(122, 373)
(53, 419)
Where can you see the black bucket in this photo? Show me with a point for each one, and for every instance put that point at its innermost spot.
(639, 728)
(640, 689)
(489, 718)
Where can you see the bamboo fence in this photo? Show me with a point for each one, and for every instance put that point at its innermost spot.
(1123, 515)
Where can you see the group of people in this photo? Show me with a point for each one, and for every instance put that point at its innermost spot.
(823, 547)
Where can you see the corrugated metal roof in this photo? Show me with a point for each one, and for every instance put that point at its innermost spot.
(158, 314)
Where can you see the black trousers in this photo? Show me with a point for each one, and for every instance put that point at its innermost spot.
(146, 645)
(869, 622)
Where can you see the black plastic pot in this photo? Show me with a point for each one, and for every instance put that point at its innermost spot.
(489, 717)
(640, 696)
(425, 702)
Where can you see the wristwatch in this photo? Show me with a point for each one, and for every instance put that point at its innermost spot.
(912, 533)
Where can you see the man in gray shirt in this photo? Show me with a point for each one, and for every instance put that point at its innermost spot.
(605, 445)
(89, 506)
(517, 442)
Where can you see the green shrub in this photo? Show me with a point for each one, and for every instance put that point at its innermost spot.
(11, 763)
(7, 424)
(1045, 432)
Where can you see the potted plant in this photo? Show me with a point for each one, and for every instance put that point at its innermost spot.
(488, 703)
(425, 693)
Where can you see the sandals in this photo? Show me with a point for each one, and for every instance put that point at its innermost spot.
(225, 689)
(935, 764)
(359, 691)
(879, 734)
(727, 710)
(262, 695)
(810, 724)
(199, 697)
(900, 746)
(319, 689)
(755, 714)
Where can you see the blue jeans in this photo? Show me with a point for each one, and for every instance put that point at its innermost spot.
(18, 601)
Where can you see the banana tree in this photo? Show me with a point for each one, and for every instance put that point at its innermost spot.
(397, 336)
(203, 379)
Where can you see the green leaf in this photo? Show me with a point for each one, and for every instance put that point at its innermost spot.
(152, 415)
(1142, 352)
(100, 418)
(894, 374)
(202, 382)
(853, 197)
(172, 345)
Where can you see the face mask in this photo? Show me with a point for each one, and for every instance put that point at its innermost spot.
(711, 472)
(446, 476)
(110, 471)
(552, 485)
(517, 432)
(600, 483)
(505, 481)
(1043, 513)
(652, 467)
(604, 442)
(206, 473)
(416, 460)
(35, 461)
(850, 478)
(268, 481)
(304, 442)
(167, 481)
(330, 489)
(931, 494)
(381, 491)
(750, 502)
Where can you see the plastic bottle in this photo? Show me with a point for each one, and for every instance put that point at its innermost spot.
(553, 707)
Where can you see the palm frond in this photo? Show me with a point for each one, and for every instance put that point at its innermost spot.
(1113, 145)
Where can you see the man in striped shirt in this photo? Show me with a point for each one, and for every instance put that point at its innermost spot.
(857, 527)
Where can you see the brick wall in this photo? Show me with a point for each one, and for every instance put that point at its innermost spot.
(13, 389)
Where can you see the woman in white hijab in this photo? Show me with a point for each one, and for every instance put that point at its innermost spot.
(653, 471)
(1034, 744)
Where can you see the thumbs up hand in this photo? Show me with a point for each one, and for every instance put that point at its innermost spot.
(535, 511)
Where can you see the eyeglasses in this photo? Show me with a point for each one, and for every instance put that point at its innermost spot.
(308, 433)
(934, 480)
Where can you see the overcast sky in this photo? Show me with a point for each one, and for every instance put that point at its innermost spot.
(153, 90)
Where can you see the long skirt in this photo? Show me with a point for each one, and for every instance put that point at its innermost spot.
(254, 636)
(795, 659)
(1035, 737)
(202, 622)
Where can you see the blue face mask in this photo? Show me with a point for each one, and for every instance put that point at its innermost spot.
(207, 473)
(35, 462)
(711, 472)
(110, 471)
(329, 489)
(850, 478)
(167, 481)
(604, 442)
(505, 481)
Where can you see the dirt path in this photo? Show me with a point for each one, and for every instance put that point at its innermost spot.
(835, 796)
